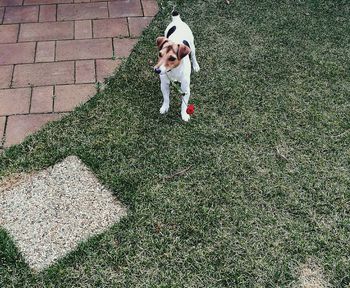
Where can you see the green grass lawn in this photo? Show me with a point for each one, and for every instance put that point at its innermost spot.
(268, 188)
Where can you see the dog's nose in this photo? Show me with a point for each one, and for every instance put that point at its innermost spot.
(157, 70)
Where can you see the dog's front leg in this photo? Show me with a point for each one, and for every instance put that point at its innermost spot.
(185, 87)
(165, 87)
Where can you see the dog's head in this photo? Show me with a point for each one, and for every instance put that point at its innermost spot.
(170, 55)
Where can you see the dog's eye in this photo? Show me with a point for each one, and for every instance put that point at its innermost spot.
(160, 54)
(171, 58)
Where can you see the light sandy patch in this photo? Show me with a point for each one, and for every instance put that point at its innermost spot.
(50, 212)
(311, 275)
(13, 180)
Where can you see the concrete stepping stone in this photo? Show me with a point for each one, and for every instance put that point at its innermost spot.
(50, 212)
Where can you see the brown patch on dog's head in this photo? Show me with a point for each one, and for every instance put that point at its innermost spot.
(183, 51)
(170, 54)
(161, 41)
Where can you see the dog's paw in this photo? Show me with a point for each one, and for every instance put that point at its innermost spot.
(164, 109)
(196, 67)
(185, 116)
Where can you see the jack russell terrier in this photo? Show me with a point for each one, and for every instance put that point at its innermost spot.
(174, 62)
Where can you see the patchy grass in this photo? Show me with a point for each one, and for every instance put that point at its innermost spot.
(269, 181)
(310, 275)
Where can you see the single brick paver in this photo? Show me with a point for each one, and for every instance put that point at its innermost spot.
(5, 76)
(52, 53)
(32, 2)
(123, 47)
(10, 2)
(150, 7)
(82, 11)
(125, 8)
(42, 99)
(110, 27)
(8, 33)
(41, 74)
(20, 126)
(67, 97)
(47, 13)
(17, 53)
(105, 67)
(84, 49)
(83, 29)
(45, 51)
(46, 31)
(138, 24)
(85, 71)
(14, 101)
(21, 14)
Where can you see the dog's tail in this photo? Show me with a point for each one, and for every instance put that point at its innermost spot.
(175, 15)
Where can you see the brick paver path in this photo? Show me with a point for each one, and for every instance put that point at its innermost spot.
(52, 52)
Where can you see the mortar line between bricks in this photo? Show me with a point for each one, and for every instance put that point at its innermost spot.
(3, 136)
(84, 39)
(54, 52)
(3, 16)
(53, 98)
(39, 9)
(13, 73)
(56, 13)
(48, 84)
(62, 4)
(108, 7)
(108, 12)
(92, 29)
(59, 61)
(30, 99)
(47, 4)
(75, 71)
(9, 24)
(70, 20)
(74, 29)
(38, 113)
(113, 51)
(63, 40)
(128, 24)
(143, 10)
(35, 50)
(27, 5)
(19, 28)
(95, 66)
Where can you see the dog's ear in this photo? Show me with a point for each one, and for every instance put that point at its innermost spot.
(161, 41)
(183, 51)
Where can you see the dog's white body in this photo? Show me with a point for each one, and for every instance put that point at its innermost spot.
(181, 73)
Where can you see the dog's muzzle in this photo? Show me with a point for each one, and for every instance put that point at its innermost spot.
(157, 70)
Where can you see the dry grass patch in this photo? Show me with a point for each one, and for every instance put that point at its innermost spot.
(12, 180)
(311, 275)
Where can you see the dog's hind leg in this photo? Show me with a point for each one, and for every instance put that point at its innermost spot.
(185, 87)
(194, 59)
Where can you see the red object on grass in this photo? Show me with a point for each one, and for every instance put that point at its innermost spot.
(190, 109)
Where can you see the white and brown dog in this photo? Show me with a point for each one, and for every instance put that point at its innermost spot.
(174, 62)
